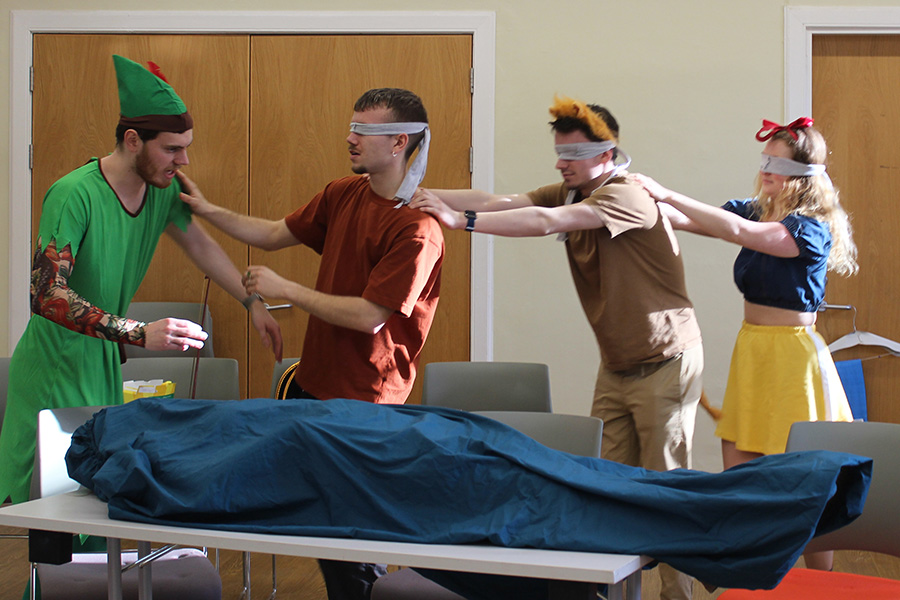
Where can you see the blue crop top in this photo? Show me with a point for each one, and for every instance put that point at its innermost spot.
(792, 283)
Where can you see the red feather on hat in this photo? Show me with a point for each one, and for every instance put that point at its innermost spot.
(154, 68)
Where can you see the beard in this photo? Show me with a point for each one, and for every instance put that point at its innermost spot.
(359, 169)
(570, 184)
(148, 172)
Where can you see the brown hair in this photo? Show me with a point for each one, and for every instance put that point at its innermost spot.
(403, 104)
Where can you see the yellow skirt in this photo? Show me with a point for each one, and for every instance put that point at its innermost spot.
(779, 376)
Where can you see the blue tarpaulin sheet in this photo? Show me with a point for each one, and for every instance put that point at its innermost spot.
(343, 468)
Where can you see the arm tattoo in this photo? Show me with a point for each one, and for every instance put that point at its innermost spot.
(53, 299)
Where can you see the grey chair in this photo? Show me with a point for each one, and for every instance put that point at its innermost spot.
(876, 530)
(154, 311)
(55, 427)
(575, 434)
(179, 573)
(278, 373)
(487, 386)
(217, 378)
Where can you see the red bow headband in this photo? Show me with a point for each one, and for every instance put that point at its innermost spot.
(770, 128)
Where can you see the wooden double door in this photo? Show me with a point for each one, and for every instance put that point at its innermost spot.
(271, 116)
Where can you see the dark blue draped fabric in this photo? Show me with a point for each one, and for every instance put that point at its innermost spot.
(344, 468)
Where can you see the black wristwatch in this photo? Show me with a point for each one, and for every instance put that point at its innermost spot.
(470, 220)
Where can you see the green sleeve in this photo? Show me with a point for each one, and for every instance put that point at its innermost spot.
(179, 212)
(65, 216)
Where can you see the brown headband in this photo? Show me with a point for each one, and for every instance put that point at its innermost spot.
(172, 123)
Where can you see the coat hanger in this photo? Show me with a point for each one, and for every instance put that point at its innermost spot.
(860, 338)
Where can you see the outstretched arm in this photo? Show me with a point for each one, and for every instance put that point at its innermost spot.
(767, 237)
(212, 260)
(480, 201)
(53, 299)
(352, 312)
(679, 220)
(260, 233)
(526, 221)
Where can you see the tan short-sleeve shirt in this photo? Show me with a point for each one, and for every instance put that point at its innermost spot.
(629, 276)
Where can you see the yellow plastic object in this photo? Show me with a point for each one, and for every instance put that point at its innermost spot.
(154, 388)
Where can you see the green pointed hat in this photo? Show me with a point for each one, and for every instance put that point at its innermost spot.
(147, 101)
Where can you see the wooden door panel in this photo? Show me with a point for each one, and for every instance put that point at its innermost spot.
(76, 110)
(303, 90)
(305, 87)
(856, 82)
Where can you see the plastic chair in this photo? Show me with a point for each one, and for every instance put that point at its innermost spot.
(179, 573)
(487, 386)
(279, 371)
(154, 311)
(217, 378)
(55, 427)
(575, 434)
(876, 530)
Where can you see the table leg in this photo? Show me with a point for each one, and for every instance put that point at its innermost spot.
(633, 586)
(32, 583)
(245, 593)
(274, 580)
(615, 591)
(114, 568)
(145, 573)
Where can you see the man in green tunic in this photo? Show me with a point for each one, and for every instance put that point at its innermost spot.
(99, 229)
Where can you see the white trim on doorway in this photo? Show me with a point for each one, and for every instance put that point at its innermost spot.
(801, 23)
(25, 23)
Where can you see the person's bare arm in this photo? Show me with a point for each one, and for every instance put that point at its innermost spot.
(526, 221)
(766, 237)
(480, 201)
(260, 233)
(352, 312)
(211, 259)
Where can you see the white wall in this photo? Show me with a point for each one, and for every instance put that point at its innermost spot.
(689, 82)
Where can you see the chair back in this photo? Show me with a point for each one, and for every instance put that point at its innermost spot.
(878, 528)
(55, 427)
(487, 386)
(148, 312)
(179, 575)
(217, 378)
(575, 434)
(278, 371)
(4, 384)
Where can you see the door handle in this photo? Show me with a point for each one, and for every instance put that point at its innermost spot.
(276, 306)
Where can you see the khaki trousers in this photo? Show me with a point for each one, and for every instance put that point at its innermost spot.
(648, 417)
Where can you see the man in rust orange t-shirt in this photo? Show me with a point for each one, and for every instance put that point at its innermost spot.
(379, 279)
(378, 282)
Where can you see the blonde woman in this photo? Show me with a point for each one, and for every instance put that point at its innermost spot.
(792, 232)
